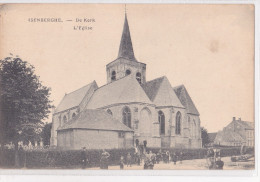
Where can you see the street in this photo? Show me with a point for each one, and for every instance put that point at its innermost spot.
(196, 164)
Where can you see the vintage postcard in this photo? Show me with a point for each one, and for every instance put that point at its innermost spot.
(127, 86)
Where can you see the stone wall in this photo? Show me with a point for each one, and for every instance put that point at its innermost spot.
(94, 139)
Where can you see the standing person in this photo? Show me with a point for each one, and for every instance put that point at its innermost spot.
(129, 160)
(210, 157)
(137, 156)
(104, 159)
(167, 156)
(174, 158)
(148, 164)
(180, 157)
(84, 159)
(158, 157)
(153, 157)
(122, 162)
(219, 163)
(217, 153)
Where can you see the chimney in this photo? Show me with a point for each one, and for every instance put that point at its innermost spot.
(234, 118)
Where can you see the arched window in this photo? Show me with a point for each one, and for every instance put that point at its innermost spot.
(161, 119)
(109, 112)
(73, 115)
(194, 129)
(113, 77)
(127, 117)
(138, 77)
(127, 72)
(178, 123)
(64, 119)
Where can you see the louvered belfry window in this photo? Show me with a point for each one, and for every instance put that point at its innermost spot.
(138, 77)
(113, 77)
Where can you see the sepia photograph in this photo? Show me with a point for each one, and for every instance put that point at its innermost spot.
(127, 86)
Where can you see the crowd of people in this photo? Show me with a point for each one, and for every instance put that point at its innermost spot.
(140, 157)
(149, 159)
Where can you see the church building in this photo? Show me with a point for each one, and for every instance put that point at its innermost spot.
(127, 108)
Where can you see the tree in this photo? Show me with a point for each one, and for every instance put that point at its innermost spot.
(204, 136)
(46, 134)
(24, 103)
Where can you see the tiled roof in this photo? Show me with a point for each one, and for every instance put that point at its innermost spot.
(151, 87)
(228, 136)
(246, 124)
(212, 136)
(124, 90)
(160, 92)
(185, 99)
(95, 119)
(74, 98)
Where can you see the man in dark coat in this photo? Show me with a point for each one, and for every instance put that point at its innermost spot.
(84, 158)
(174, 158)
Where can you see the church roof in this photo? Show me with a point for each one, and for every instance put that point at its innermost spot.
(185, 99)
(151, 87)
(124, 90)
(126, 47)
(74, 98)
(95, 119)
(160, 92)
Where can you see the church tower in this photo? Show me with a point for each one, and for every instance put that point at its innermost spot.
(126, 63)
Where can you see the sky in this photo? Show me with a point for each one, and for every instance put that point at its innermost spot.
(208, 48)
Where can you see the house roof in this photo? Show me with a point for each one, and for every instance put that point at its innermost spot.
(185, 99)
(126, 47)
(124, 90)
(228, 136)
(95, 119)
(74, 98)
(246, 124)
(212, 137)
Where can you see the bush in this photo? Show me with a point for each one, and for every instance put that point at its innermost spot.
(50, 158)
(60, 158)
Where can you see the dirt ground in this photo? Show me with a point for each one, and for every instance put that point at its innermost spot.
(196, 164)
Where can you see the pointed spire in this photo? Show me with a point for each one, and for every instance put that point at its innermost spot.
(126, 47)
